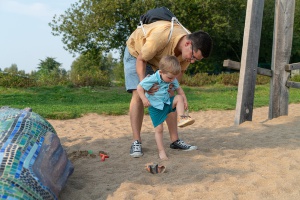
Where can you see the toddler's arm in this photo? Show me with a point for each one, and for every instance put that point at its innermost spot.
(181, 92)
(141, 92)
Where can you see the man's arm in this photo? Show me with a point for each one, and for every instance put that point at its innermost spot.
(140, 67)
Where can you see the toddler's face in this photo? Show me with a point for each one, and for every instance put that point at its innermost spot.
(167, 77)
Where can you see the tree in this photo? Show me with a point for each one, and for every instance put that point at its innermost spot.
(92, 24)
(50, 73)
(48, 65)
(99, 26)
(92, 69)
(13, 69)
(296, 36)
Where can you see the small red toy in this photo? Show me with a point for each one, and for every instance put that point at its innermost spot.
(103, 156)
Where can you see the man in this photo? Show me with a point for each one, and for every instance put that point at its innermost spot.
(144, 51)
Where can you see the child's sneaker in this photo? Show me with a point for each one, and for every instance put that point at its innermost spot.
(184, 121)
(136, 149)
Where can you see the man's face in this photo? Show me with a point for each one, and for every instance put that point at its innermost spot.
(191, 55)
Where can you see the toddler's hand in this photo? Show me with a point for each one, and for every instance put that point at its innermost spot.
(186, 107)
(146, 103)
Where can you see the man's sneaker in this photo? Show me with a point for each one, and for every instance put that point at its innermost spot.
(184, 121)
(180, 144)
(136, 149)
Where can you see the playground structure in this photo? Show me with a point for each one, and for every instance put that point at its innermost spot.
(280, 68)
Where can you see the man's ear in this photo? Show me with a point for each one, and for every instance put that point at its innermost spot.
(188, 42)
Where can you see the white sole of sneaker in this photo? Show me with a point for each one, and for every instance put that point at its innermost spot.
(136, 155)
(192, 148)
(187, 124)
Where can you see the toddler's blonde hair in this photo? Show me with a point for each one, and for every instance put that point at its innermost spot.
(170, 64)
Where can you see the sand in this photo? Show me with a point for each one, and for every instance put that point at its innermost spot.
(259, 159)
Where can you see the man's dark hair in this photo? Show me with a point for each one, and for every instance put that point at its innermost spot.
(201, 40)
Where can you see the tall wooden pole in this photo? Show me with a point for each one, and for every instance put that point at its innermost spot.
(282, 47)
(249, 62)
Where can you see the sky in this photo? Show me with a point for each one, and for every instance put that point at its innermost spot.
(25, 36)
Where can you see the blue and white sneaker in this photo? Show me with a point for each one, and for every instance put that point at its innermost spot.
(136, 149)
(181, 145)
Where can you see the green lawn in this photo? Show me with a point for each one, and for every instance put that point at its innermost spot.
(61, 102)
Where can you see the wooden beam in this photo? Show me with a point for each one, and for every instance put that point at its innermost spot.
(232, 64)
(292, 66)
(249, 61)
(237, 65)
(293, 84)
(282, 47)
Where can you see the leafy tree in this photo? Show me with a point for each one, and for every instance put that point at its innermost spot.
(50, 73)
(99, 26)
(93, 24)
(13, 69)
(266, 42)
(49, 64)
(21, 72)
(92, 69)
(296, 36)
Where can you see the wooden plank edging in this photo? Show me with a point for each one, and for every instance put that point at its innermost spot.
(293, 84)
(293, 66)
(237, 65)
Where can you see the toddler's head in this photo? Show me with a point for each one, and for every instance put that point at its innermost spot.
(170, 64)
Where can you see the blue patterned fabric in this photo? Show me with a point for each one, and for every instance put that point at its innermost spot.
(22, 134)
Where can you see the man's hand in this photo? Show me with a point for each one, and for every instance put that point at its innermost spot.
(153, 89)
(171, 90)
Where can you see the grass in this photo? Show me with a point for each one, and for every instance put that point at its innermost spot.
(61, 102)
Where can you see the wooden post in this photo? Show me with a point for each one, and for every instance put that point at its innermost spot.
(282, 46)
(249, 61)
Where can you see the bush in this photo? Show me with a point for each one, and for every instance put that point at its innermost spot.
(118, 75)
(202, 79)
(229, 79)
(199, 79)
(51, 79)
(91, 78)
(262, 80)
(96, 77)
(296, 78)
(15, 80)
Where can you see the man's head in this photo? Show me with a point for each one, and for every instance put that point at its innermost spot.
(199, 40)
(202, 41)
